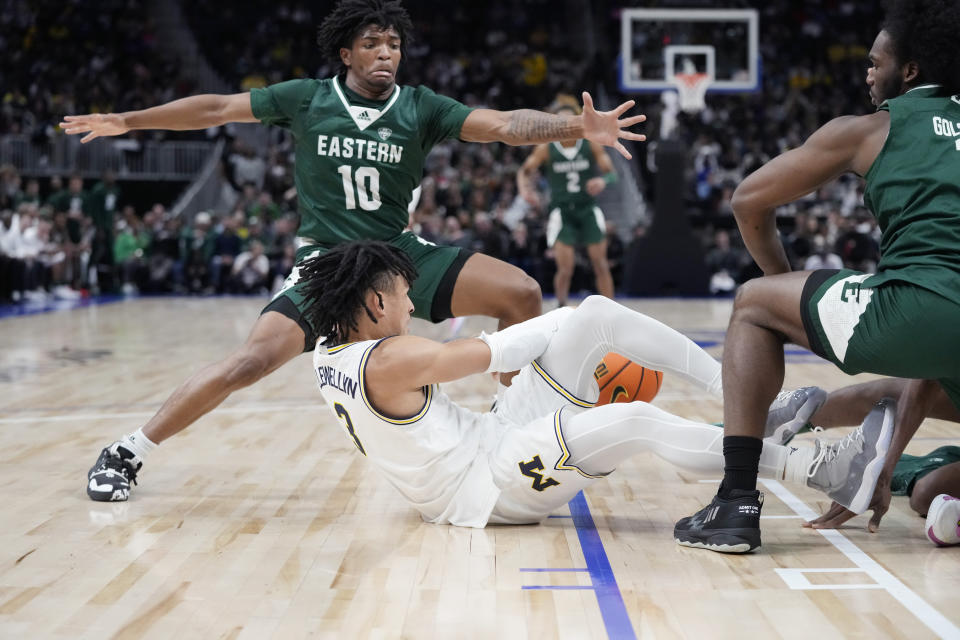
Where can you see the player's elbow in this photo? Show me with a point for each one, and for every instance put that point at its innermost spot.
(745, 203)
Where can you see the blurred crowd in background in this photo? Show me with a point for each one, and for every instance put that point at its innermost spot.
(65, 236)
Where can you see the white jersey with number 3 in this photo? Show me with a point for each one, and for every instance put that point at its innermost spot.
(437, 458)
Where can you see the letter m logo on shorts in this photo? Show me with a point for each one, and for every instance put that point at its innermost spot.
(530, 470)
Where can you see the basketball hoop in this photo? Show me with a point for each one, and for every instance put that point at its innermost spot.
(692, 89)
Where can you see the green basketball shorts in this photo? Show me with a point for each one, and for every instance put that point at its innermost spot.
(576, 225)
(437, 270)
(909, 468)
(894, 329)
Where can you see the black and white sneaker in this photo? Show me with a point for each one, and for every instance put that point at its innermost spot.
(727, 525)
(790, 411)
(109, 478)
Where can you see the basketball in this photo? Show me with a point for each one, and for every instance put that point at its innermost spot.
(621, 380)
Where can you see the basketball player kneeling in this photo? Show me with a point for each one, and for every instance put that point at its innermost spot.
(544, 441)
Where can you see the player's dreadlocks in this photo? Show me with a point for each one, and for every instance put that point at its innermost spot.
(350, 17)
(925, 32)
(336, 283)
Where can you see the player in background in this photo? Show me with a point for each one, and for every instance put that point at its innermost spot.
(361, 140)
(545, 441)
(904, 320)
(575, 219)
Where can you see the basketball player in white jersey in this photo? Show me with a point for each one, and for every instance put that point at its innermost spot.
(543, 443)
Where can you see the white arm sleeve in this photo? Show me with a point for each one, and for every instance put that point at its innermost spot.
(521, 344)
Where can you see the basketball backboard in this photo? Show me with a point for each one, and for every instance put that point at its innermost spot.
(658, 43)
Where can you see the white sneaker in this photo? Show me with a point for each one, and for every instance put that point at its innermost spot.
(943, 520)
(848, 470)
(63, 292)
(790, 411)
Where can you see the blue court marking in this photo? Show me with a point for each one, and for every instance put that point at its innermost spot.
(558, 587)
(33, 308)
(602, 581)
(612, 609)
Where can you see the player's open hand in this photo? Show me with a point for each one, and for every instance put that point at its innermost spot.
(596, 185)
(837, 514)
(531, 197)
(95, 125)
(607, 128)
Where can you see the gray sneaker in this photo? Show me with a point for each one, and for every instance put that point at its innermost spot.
(848, 470)
(790, 411)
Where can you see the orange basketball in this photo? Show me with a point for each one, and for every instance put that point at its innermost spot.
(621, 380)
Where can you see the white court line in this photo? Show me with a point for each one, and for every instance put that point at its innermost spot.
(259, 408)
(933, 619)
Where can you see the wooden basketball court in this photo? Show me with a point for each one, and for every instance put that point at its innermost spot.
(263, 521)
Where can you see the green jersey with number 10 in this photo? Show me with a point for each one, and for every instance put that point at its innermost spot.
(357, 160)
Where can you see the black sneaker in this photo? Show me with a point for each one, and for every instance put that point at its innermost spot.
(109, 478)
(727, 525)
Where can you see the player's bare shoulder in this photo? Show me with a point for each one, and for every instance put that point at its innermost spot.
(863, 136)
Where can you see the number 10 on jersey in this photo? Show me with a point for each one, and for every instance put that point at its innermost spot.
(361, 186)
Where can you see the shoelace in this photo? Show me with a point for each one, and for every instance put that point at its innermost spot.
(830, 451)
(783, 397)
(116, 462)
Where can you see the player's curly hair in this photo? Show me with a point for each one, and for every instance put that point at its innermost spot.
(925, 32)
(336, 283)
(350, 17)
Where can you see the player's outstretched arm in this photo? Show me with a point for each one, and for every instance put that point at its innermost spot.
(401, 366)
(527, 126)
(195, 112)
(407, 363)
(843, 144)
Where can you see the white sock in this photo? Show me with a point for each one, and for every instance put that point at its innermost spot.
(773, 459)
(797, 464)
(138, 443)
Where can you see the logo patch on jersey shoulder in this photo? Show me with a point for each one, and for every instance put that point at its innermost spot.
(384, 132)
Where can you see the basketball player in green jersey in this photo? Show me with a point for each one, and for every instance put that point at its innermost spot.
(361, 141)
(575, 218)
(904, 320)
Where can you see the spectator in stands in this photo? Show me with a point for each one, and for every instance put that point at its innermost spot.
(100, 206)
(248, 167)
(227, 245)
(166, 257)
(251, 270)
(197, 250)
(130, 251)
(822, 257)
(724, 261)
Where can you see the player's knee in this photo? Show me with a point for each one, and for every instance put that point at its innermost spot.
(525, 298)
(923, 494)
(750, 303)
(564, 271)
(596, 305)
(247, 368)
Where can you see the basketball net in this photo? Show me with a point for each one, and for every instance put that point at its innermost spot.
(692, 89)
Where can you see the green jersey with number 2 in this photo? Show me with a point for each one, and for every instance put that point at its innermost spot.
(357, 160)
(568, 169)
